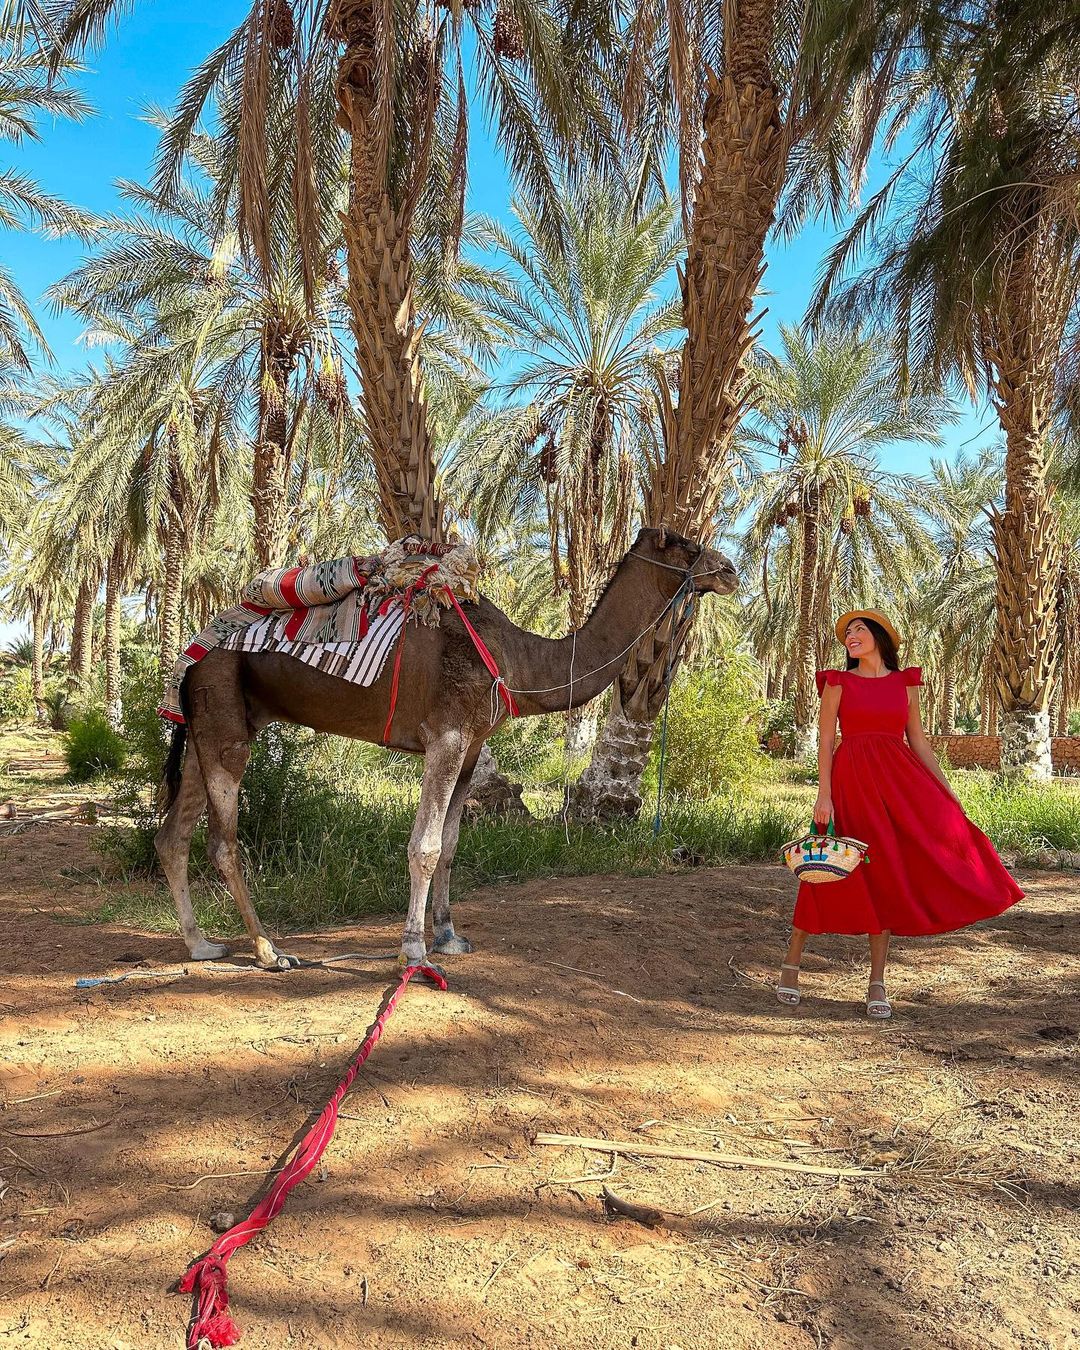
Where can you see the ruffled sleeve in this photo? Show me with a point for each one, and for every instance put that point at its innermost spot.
(825, 677)
(913, 676)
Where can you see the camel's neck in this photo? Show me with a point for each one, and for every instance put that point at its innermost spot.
(592, 658)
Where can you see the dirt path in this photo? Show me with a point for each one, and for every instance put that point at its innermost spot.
(437, 1222)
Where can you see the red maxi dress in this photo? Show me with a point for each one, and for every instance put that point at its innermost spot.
(930, 869)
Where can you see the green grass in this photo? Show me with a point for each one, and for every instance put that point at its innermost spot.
(322, 846)
(328, 859)
(1022, 819)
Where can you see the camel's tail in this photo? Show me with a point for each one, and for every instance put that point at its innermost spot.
(174, 767)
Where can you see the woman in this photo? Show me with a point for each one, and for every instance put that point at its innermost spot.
(930, 870)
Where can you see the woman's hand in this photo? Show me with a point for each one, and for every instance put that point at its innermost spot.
(822, 812)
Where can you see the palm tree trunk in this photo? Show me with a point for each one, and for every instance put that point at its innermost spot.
(1021, 344)
(380, 291)
(37, 667)
(81, 648)
(772, 684)
(492, 791)
(805, 719)
(171, 596)
(948, 700)
(269, 478)
(581, 726)
(113, 584)
(733, 210)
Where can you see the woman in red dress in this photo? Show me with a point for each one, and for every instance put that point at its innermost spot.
(930, 870)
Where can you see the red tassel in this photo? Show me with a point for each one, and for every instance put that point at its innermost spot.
(208, 1281)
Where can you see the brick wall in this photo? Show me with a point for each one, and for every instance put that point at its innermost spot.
(984, 752)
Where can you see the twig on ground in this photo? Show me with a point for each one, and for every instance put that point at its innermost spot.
(578, 970)
(19, 1101)
(491, 1277)
(59, 1134)
(631, 1146)
(56, 1267)
(222, 1176)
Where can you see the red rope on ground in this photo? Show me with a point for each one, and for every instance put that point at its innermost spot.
(207, 1278)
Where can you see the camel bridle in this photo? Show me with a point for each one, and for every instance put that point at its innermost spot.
(683, 598)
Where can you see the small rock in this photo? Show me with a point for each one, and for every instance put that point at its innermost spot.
(222, 1221)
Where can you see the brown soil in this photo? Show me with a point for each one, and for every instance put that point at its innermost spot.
(604, 1006)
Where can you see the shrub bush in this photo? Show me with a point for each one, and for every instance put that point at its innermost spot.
(778, 719)
(16, 695)
(92, 748)
(712, 740)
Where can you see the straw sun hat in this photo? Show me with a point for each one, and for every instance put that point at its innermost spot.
(844, 619)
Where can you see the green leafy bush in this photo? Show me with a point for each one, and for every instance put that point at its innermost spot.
(92, 748)
(712, 738)
(16, 695)
(778, 719)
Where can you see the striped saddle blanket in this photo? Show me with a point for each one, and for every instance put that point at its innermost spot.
(343, 617)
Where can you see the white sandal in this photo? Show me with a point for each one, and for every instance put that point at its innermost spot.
(788, 994)
(878, 1008)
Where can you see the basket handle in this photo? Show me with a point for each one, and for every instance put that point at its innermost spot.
(831, 831)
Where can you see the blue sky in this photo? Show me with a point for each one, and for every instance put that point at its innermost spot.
(148, 58)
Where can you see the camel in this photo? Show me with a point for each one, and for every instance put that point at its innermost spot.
(446, 710)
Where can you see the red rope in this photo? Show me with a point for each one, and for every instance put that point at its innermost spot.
(207, 1278)
(406, 604)
(486, 656)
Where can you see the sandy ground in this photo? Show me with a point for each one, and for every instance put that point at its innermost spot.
(624, 1008)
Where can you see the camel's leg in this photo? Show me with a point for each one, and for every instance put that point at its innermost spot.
(447, 942)
(443, 759)
(224, 747)
(173, 845)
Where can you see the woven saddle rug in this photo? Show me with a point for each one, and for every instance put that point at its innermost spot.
(343, 617)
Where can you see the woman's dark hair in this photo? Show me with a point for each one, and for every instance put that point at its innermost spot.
(885, 645)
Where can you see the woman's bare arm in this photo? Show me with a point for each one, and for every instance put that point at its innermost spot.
(830, 707)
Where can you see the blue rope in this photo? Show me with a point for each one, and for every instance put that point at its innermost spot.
(685, 610)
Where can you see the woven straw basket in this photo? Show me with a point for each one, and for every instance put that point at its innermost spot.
(824, 857)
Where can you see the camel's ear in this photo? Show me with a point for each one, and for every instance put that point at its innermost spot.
(662, 537)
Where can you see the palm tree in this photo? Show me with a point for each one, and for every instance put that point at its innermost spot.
(980, 277)
(826, 406)
(1067, 695)
(773, 108)
(393, 77)
(957, 501)
(175, 266)
(27, 93)
(587, 314)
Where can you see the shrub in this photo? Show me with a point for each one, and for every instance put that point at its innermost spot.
(58, 708)
(146, 740)
(531, 750)
(712, 739)
(16, 695)
(778, 719)
(92, 747)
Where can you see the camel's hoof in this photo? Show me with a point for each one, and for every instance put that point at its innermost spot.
(455, 946)
(208, 951)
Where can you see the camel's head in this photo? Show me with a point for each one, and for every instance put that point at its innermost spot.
(711, 570)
